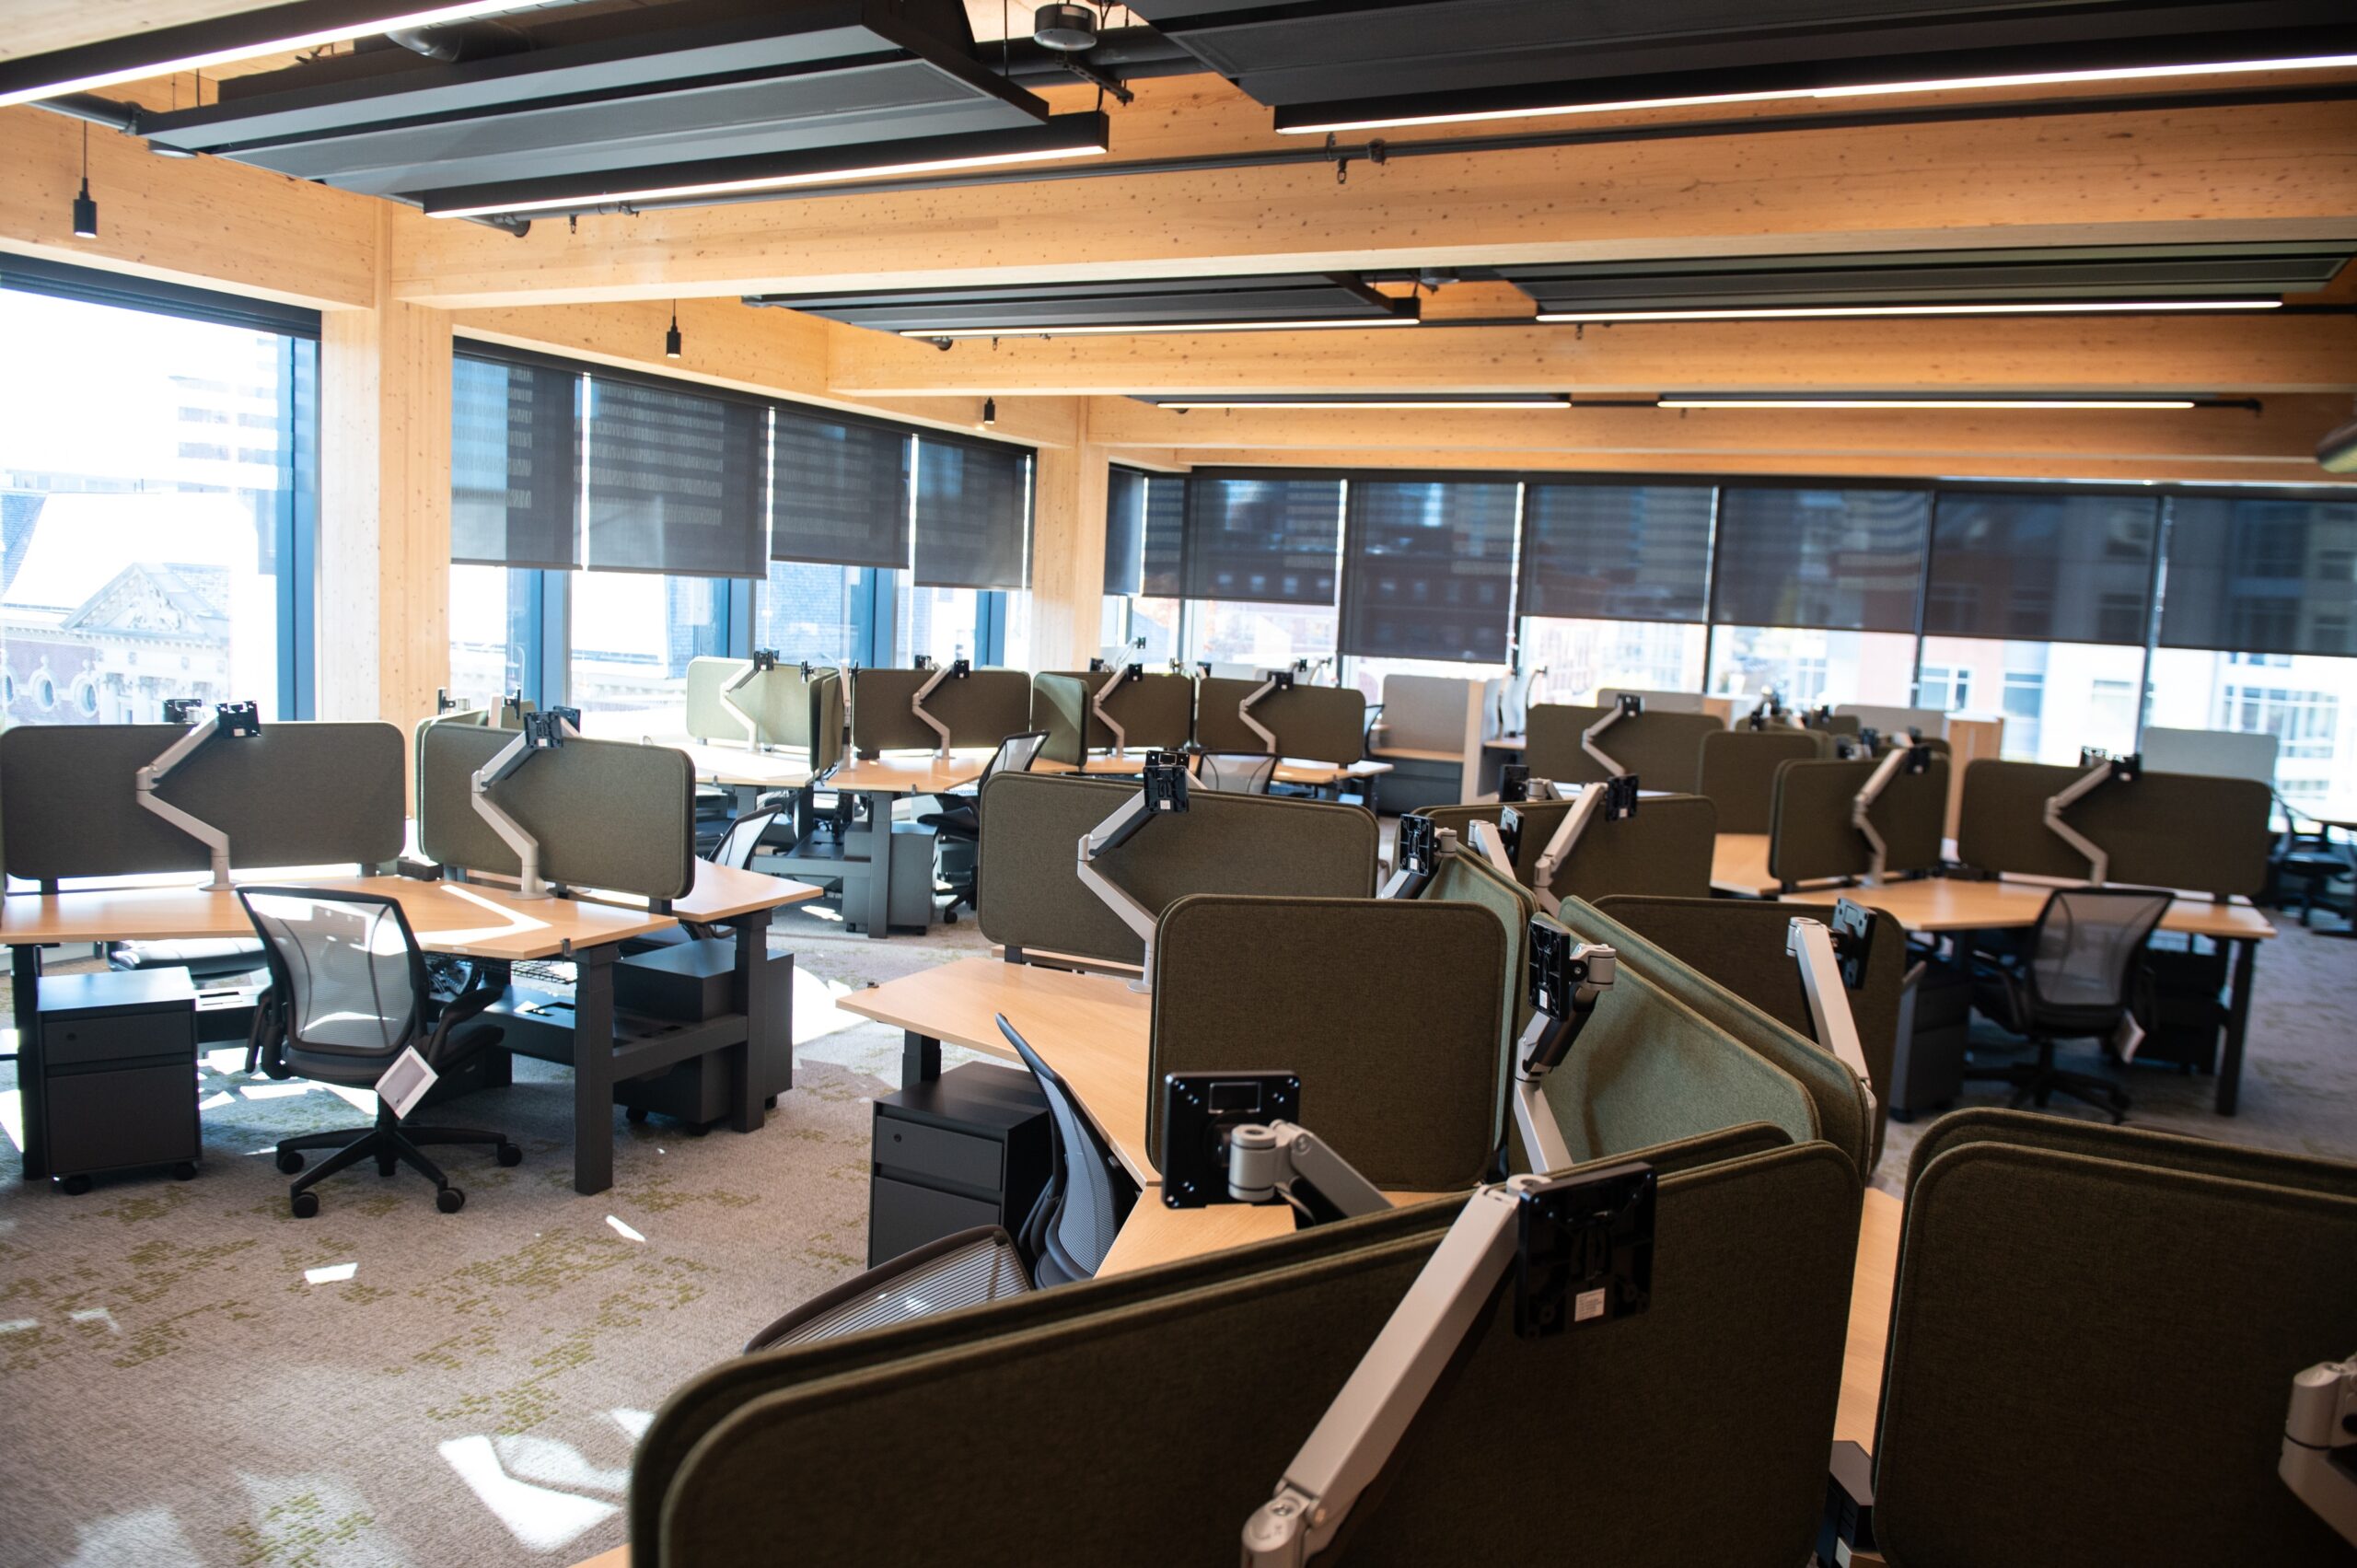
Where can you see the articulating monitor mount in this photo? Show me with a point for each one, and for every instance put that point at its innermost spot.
(1833, 963)
(2319, 1460)
(542, 731)
(1415, 859)
(1163, 794)
(2101, 769)
(763, 659)
(1771, 711)
(237, 720)
(1627, 705)
(1573, 1250)
(1567, 978)
(1614, 800)
(958, 669)
(1096, 697)
(1904, 756)
(1270, 681)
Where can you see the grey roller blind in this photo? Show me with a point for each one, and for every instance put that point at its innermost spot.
(1844, 560)
(1262, 540)
(1164, 575)
(840, 497)
(2261, 575)
(1428, 570)
(972, 517)
(1125, 492)
(2041, 568)
(1616, 551)
(678, 481)
(515, 464)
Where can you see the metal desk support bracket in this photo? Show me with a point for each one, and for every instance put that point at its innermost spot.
(1567, 978)
(763, 659)
(1833, 963)
(957, 670)
(1627, 705)
(2319, 1458)
(1904, 756)
(1614, 800)
(543, 731)
(1164, 793)
(2101, 771)
(1121, 678)
(241, 720)
(1270, 681)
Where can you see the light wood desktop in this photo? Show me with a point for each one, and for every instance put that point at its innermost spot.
(1154, 1233)
(909, 772)
(735, 767)
(1289, 771)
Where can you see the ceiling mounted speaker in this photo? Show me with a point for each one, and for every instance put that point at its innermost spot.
(1068, 28)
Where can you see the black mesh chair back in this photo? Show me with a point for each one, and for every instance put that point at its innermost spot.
(735, 847)
(964, 1269)
(2083, 953)
(1014, 755)
(349, 975)
(1235, 773)
(1080, 1213)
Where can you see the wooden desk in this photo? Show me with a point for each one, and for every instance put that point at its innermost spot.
(878, 782)
(1941, 905)
(1091, 1028)
(908, 774)
(1154, 1233)
(734, 767)
(1739, 865)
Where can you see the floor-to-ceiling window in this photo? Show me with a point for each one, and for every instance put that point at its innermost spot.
(157, 485)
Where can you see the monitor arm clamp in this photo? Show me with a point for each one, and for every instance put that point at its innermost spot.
(1567, 978)
(1279, 1159)
(763, 659)
(1164, 793)
(236, 720)
(957, 670)
(2101, 771)
(1904, 756)
(542, 731)
(2319, 1459)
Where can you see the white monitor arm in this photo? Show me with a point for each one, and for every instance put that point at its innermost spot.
(1904, 756)
(542, 731)
(2320, 1459)
(1163, 794)
(1832, 962)
(1613, 801)
(1626, 705)
(762, 659)
(957, 670)
(2101, 769)
(1567, 978)
(241, 720)
(1096, 697)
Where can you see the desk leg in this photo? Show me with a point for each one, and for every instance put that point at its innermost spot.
(2230, 1067)
(592, 1069)
(745, 1100)
(24, 975)
(920, 1059)
(879, 867)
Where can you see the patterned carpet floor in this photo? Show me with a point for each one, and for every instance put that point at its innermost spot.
(189, 1376)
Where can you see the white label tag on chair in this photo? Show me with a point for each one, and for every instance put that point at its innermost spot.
(405, 1083)
(2127, 1037)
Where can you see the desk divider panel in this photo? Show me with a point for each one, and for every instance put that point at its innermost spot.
(1135, 1451)
(1430, 713)
(1811, 834)
(1738, 946)
(1738, 773)
(1664, 851)
(1313, 724)
(2058, 1248)
(1465, 877)
(297, 793)
(1663, 749)
(1156, 710)
(610, 814)
(982, 709)
(1031, 896)
(2206, 835)
(1386, 1009)
(792, 710)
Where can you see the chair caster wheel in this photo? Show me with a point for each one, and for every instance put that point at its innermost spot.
(386, 1168)
(289, 1162)
(449, 1200)
(510, 1155)
(699, 1129)
(635, 1115)
(184, 1171)
(305, 1205)
(73, 1186)
(769, 1104)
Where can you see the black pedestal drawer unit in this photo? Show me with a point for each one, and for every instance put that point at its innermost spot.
(969, 1148)
(118, 1073)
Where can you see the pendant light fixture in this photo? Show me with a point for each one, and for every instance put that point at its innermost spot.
(990, 412)
(86, 211)
(671, 338)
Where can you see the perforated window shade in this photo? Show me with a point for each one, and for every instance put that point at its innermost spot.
(1616, 551)
(1262, 540)
(515, 465)
(2261, 575)
(1125, 492)
(1428, 570)
(2041, 568)
(1844, 560)
(1164, 571)
(971, 516)
(841, 492)
(677, 482)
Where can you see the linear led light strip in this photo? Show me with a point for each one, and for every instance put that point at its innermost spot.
(1180, 405)
(1123, 328)
(345, 32)
(1702, 403)
(1789, 312)
(1951, 83)
(580, 201)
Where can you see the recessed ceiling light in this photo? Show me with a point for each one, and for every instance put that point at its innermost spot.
(2001, 307)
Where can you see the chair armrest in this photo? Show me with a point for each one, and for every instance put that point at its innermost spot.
(461, 1010)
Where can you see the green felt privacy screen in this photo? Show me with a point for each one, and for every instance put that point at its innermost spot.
(608, 814)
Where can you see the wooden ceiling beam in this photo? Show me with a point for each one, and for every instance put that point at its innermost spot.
(2283, 171)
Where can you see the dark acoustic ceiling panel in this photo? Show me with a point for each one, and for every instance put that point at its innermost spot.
(588, 90)
(2090, 273)
(1343, 55)
(1042, 307)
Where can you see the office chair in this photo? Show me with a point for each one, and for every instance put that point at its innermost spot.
(350, 993)
(2308, 858)
(964, 1269)
(959, 821)
(1235, 773)
(1072, 1227)
(734, 849)
(2071, 980)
